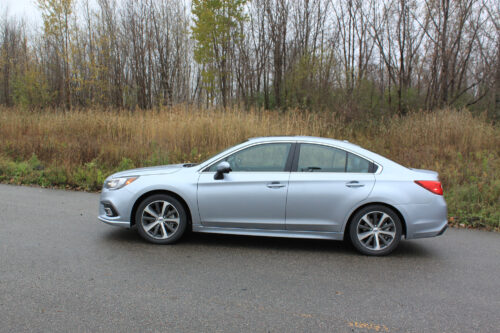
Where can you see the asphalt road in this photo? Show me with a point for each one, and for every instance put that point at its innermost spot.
(63, 271)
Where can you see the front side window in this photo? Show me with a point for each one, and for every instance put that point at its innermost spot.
(261, 158)
(319, 158)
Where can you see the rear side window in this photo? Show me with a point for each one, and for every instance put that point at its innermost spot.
(319, 158)
(357, 164)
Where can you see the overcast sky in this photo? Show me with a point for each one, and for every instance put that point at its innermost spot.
(21, 8)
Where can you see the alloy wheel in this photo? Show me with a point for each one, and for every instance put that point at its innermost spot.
(160, 219)
(376, 230)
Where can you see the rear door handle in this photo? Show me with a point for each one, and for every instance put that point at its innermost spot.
(275, 185)
(354, 183)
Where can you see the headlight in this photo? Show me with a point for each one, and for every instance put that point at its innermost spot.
(116, 183)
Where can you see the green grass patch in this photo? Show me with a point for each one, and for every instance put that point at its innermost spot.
(88, 177)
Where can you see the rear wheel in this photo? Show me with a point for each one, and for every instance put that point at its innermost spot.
(161, 219)
(375, 230)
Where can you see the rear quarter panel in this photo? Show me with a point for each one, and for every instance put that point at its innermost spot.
(424, 212)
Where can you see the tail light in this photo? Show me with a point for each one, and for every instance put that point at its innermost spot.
(431, 185)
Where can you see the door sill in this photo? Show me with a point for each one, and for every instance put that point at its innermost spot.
(270, 233)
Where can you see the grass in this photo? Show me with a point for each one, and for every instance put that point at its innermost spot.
(79, 149)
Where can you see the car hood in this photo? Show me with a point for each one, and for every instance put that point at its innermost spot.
(156, 170)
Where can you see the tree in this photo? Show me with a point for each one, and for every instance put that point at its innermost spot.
(216, 32)
(277, 16)
(56, 15)
(348, 56)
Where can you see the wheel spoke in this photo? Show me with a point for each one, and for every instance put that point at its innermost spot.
(364, 227)
(150, 211)
(382, 219)
(176, 220)
(364, 235)
(365, 219)
(156, 229)
(388, 233)
(383, 240)
(151, 225)
(163, 231)
(165, 204)
(377, 243)
(368, 241)
(170, 228)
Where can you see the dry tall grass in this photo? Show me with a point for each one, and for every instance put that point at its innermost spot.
(462, 148)
(419, 140)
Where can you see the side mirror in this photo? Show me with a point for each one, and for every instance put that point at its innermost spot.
(222, 168)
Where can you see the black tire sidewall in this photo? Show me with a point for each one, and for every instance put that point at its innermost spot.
(354, 237)
(182, 215)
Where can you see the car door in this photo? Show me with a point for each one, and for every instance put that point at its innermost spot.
(325, 184)
(253, 194)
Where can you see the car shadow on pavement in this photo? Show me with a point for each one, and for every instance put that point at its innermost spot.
(405, 249)
(120, 235)
(268, 243)
(412, 249)
(194, 239)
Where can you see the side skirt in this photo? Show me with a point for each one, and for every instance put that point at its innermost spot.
(270, 233)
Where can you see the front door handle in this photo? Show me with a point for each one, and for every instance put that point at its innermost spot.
(354, 183)
(275, 185)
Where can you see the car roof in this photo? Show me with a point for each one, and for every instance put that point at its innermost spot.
(344, 144)
(303, 138)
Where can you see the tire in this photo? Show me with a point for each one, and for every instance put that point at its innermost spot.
(157, 228)
(375, 230)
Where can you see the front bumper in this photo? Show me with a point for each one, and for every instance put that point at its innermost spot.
(115, 222)
(120, 201)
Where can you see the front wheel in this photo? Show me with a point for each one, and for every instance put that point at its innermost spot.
(375, 230)
(161, 219)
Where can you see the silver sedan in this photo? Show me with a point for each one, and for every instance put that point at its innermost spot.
(301, 187)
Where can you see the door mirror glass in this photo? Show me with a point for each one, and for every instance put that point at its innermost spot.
(222, 168)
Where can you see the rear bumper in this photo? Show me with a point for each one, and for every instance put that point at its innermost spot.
(443, 230)
(430, 232)
(425, 220)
